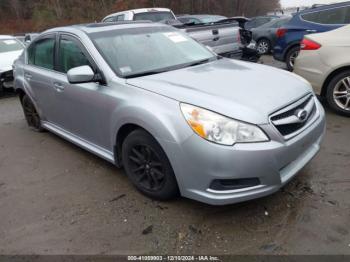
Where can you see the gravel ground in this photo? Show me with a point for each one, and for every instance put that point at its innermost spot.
(55, 198)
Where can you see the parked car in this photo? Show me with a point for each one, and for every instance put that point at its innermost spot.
(177, 117)
(265, 35)
(259, 21)
(149, 14)
(314, 20)
(223, 38)
(200, 19)
(10, 50)
(325, 62)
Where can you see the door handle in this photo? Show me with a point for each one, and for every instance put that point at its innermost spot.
(28, 76)
(216, 39)
(311, 31)
(58, 86)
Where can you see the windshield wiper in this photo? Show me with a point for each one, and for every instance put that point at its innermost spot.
(204, 61)
(148, 73)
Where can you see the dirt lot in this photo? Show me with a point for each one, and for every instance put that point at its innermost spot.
(58, 199)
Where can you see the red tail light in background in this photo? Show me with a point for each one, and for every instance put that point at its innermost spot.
(281, 32)
(308, 44)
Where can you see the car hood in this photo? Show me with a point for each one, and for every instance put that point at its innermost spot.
(244, 91)
(7, 59)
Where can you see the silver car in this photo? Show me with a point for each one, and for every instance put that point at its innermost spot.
(177, 117)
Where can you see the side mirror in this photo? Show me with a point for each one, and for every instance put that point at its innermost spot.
(81, 74)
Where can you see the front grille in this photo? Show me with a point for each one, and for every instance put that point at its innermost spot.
(293, 119)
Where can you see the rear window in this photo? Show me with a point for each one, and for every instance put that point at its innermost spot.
(154, 16)
(336, 16)
(10, 45)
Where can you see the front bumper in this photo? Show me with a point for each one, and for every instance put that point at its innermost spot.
(6, 79)
(198, 163)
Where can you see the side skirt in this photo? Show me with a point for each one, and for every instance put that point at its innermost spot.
(92, 148)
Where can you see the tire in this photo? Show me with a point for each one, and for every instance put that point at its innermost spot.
(31, 114)
(338, 93)
(148, 167)
(291, 55)
(263, 46)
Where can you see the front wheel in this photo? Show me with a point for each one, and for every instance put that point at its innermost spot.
(291, 56)
(148, 167)
(338, 93)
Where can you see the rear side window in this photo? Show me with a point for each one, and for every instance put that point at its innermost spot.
(41, 53)
(336, 16)
(71, 55)
(110, 19)
(120, 17)
(154, 16)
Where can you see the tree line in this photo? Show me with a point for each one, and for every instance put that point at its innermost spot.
(19, 16)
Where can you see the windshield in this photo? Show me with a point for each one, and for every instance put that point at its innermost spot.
(10, 45)
(154, 16)
(149, 50)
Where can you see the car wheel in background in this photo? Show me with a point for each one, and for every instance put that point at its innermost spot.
(31, 114)
(338, 93)
(263, 46)
(148, 167)
(291, 56)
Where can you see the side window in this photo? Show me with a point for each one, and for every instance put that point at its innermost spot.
(70, 55)
(110, 19)
(120, 17)
(41, 53)
(329, 17)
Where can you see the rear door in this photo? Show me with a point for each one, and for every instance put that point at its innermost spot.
(222, 38)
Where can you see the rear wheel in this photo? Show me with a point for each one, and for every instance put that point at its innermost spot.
(31, 114)
(338, 93)
(148, 167)
(263, 46)
(291, 56)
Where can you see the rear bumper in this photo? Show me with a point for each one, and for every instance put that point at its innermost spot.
(310, 66)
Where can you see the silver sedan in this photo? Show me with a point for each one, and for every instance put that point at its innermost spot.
(177, 117)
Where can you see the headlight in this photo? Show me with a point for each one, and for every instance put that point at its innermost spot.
(221, 129)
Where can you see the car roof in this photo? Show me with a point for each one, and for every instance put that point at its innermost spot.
(6, 36)
(324, 7)
(200, 16)
(139, 10)
(101, 27)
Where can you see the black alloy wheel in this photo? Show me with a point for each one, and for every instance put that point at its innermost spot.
(148, 167)
(31, 114)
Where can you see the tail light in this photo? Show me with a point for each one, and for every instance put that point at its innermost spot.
(281, 32)
(308, 44)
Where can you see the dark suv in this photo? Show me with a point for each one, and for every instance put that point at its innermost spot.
(314, 20)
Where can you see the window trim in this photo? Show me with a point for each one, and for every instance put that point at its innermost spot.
(38, 39)
(85, 50)
(332, 8)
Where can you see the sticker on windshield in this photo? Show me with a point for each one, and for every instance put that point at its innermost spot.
(176, 37)
(125, 69)
(10, 42)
